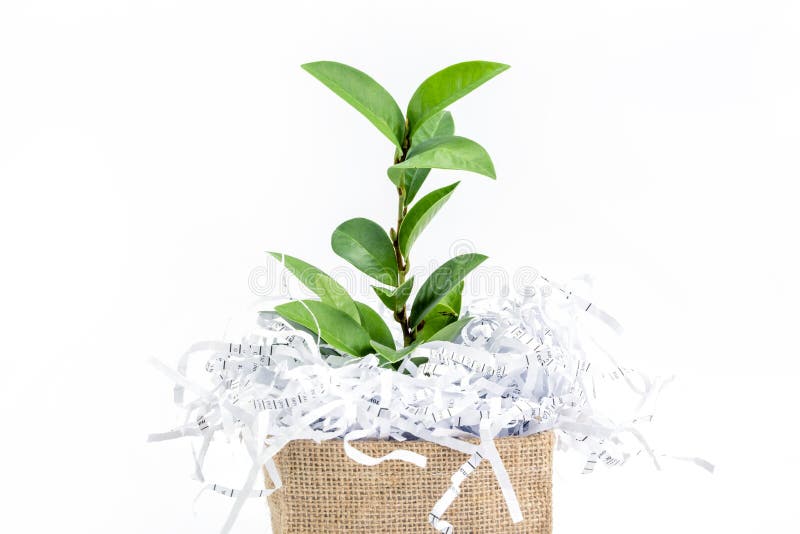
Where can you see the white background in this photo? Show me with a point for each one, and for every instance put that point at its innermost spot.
(151, 151)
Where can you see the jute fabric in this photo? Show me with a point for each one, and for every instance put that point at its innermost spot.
(326, 492)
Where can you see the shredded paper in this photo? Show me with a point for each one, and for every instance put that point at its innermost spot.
(519, 367)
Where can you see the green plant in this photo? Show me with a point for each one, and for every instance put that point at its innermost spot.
(424, 139)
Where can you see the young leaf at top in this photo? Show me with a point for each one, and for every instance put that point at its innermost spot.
(439, 125)
(446, 86)
(322, 285)
(368, 248)
(374, 325)
(396, 298)
(440, 283)
(447, 152)
(364, 94)
(420, 215)
(336, 327)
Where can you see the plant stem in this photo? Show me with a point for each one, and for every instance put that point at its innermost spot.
(402, 263)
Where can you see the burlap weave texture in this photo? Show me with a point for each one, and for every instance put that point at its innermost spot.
(326, 492)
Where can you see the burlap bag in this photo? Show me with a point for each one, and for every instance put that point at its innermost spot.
(326, 492)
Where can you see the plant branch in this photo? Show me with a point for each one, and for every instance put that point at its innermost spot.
(401, 316)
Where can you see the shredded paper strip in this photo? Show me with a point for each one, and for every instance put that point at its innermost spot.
(519, 367)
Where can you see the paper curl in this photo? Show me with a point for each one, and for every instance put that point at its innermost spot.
(519, 367)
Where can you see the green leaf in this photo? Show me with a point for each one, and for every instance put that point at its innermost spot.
(368, 248)
(446, 86)
(437, 126)
(395, 299)
(447, 152)
(336, 327)
(364, 94)
(443, 314)
(439, 317)
(449, 332)
(374, 325)
(453, 299)
(440, 283)
(388, 355)
(398, 176)
(413, 180)
(322, 285)
(420, 215)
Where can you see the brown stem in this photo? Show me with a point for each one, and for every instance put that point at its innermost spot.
(402, 263)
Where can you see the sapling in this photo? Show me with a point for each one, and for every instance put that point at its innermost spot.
(423, 139)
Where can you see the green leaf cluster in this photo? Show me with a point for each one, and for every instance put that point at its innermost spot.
(423, 139)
